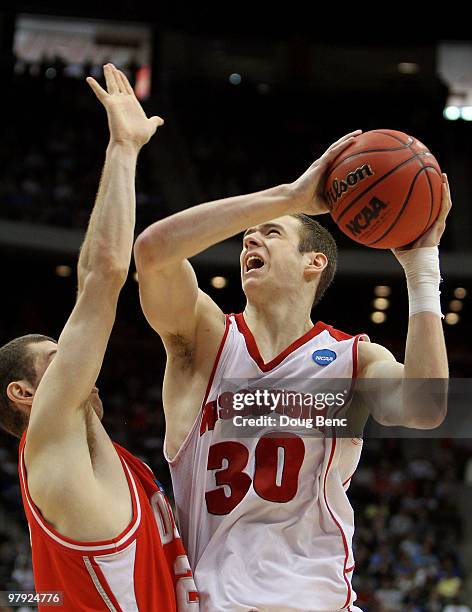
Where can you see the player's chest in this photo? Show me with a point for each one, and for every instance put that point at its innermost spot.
(315, 359)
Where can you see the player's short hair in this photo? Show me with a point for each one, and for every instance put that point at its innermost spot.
(17, 363)
(314, 237)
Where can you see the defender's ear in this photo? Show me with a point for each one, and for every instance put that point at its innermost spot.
(20, 392)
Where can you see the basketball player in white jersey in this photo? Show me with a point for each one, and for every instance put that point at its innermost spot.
(266, 520)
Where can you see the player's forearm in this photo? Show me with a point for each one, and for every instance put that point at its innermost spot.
(191, 231)
(425, 354)
(424, 405)
(109, 239)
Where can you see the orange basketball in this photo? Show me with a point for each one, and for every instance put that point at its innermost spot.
(384, 190)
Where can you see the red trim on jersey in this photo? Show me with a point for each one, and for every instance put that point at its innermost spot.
(359, 338)
(196, 423)
(336, 334)
(353, 374)
(346, 481)
(254, 351)
(103, 583)
(217, 359)
(333, 447)
(338, 525)
(58, 538)
(354, 358)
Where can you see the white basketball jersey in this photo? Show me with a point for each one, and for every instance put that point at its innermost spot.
(265, 518)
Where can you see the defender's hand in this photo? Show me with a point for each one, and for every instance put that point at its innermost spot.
(433, 235)
(307, 190)
(127, 121)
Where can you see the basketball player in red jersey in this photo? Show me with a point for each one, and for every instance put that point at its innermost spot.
(266, 522)
(102, 531)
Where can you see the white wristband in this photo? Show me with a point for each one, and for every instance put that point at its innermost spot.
(422, 277)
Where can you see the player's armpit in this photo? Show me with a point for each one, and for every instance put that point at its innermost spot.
(192, 327)
(393, 399)
(175, 307)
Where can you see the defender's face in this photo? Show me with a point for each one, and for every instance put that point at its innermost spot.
(270, 260)
(44, 353)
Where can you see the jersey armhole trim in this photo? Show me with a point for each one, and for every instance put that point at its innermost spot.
(99, 545)
(347, 548)
(172, 462)
(344, 540)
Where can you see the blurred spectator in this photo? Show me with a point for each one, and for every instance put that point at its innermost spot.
(408, 530)
(456, 607)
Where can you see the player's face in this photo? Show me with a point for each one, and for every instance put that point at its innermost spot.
(44, 353)
(270, 259)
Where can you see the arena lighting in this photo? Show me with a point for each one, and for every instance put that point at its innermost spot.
(460, 293)
(408, 68)
(219, 282)
(452, 318)
(466, 113)
(452, 113)
(455, 305)
(381, 303)
(135, 277)
(63, 271)
(378, 317)
(382, 291)
(235, 78)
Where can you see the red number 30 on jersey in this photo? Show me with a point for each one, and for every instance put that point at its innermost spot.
(278, 461)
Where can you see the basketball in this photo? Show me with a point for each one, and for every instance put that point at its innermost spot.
(384, 190)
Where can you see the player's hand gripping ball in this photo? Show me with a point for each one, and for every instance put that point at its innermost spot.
(384, 190)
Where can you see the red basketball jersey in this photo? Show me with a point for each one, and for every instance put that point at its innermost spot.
(145, 568)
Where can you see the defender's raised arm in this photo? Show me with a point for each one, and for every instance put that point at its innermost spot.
(57, 429)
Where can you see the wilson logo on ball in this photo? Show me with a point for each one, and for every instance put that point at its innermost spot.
(365, 217)
(340, 187)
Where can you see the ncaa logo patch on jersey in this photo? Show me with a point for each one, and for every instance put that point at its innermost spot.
(323, 357)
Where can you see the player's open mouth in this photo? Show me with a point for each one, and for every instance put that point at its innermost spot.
(253, 262)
